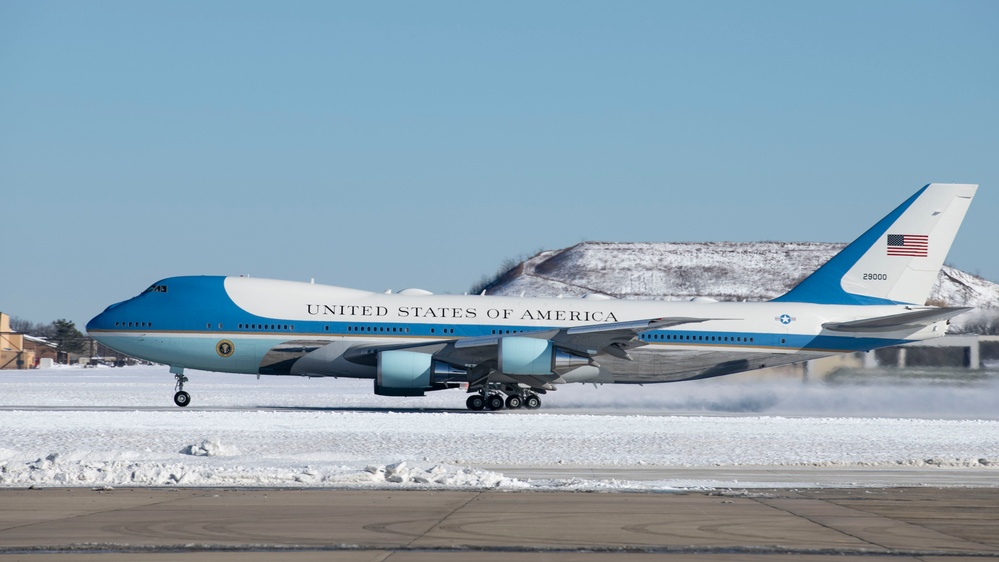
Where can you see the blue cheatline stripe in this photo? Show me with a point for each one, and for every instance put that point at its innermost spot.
(769, 340)
(823, 286)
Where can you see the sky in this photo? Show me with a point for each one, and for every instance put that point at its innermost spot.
(385, 145)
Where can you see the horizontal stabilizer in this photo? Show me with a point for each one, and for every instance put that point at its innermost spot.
(916, 319)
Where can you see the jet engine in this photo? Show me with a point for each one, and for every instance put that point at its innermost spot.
(409, 373)
(532, 356)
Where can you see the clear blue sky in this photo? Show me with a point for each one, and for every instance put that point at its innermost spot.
(386, 145)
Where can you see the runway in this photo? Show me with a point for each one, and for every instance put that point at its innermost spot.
(814, 524)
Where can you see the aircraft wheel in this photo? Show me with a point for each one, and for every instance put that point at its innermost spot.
(494, 402)
(513, 402)
(182, 399)
(475, 402)
(532, 402)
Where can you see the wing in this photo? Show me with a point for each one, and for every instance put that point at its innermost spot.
(531, 359)
(897, 322)
(613, 338)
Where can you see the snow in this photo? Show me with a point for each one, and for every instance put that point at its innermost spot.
(113, 427)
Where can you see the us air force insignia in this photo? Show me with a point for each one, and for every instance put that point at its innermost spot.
(785, 319)
(225, 348)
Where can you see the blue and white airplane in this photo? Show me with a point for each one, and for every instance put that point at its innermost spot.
(508, 350)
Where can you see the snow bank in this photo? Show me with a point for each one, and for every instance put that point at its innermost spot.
(56, 470)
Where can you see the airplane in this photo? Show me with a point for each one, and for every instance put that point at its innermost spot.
(507, 351)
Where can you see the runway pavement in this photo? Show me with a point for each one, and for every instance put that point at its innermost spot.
(256, 524)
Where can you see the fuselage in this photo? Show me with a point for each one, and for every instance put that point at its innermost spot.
(263, 326)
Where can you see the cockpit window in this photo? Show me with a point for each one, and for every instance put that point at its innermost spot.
(155, 289)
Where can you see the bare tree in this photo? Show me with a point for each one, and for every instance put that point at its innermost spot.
(20, 325)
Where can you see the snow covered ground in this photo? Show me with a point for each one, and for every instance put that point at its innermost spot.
(118, 427)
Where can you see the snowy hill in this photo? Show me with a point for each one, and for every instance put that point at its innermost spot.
(726, 271)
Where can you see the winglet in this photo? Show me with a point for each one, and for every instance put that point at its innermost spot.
(898, 259)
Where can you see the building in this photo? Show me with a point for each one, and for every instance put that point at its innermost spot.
(43, 348)
(13, 354)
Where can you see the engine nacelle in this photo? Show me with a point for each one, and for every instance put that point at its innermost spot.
(532, 356)
(409, 373)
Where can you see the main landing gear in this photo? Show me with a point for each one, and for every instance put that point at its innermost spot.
(491, 397)
(181, 398)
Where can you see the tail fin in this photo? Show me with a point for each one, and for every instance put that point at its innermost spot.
(898, 259)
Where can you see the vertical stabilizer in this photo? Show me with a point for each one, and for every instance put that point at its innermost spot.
(898, 259)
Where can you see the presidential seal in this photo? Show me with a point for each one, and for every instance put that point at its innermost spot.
(225, 348)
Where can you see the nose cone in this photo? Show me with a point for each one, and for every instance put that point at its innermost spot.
(94, 325)
(100, 322)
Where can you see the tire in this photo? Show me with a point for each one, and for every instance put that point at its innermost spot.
(475, 402)
(182, 399)
(513, 402)
(494, 402)
(532, 402)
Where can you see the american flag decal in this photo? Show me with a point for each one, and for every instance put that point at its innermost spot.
(910, 245)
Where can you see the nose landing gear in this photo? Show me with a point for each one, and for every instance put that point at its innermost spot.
(181, 398)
